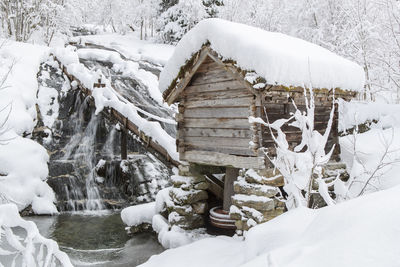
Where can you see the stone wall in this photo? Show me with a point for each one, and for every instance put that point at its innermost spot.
(257, 199)
(189, 197)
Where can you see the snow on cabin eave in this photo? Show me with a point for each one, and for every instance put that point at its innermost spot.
(187, 71)
(281, 59)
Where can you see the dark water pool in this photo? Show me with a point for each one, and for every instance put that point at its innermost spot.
(97, 239)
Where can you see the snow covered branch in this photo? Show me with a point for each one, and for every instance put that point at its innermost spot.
(302, 165)
(31, 249)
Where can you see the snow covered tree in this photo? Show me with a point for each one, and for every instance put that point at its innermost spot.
(21, 18)
(180, 18)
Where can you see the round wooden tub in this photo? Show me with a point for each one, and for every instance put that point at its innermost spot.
(220, 218)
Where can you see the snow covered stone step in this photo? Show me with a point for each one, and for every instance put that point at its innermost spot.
(268, 178)
(185, 197)
(242, 187)
(335, 166)
(259, 203)
(186, 222)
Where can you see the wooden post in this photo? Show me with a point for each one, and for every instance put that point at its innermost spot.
(230, 177)
(124, 143)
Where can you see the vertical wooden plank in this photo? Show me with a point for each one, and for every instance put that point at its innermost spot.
(124, 142)
(230, 177)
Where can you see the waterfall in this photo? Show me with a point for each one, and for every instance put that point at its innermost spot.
(81, 150)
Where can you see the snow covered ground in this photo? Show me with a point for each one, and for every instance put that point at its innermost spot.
(23, 162)
(360, 232)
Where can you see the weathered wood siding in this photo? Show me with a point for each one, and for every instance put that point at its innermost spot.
(214, 110)
(278, 104)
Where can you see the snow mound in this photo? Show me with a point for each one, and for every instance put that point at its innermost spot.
(280, 59)
(354, 113)
(360, 232)
(138, 214)
(23, 162)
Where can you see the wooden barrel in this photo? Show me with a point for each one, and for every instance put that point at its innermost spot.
(221, 219)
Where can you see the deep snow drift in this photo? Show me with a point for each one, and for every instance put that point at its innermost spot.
(361, 232)
(23, 162)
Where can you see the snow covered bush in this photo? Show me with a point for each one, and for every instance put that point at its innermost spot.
(372, 156)
(27, 248)
(302, 166)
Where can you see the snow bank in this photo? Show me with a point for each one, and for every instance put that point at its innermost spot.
(138, 214)
(364, 155)
(108, 97)
(23, 162)
(279, 58)
(26, 251)
(355, 113)
(361, 232)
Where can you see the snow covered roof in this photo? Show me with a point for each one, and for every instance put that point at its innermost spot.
(278, 58)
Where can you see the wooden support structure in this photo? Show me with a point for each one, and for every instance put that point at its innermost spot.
(124, 141)
(129, 125)
(230, 177)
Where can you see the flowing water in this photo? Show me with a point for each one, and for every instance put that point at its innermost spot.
(97, 239)
(83, 146)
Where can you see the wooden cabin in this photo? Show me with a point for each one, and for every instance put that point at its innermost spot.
(215, 102)
(217, 88)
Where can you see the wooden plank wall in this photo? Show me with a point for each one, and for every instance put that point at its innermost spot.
(278, 105)
(214, 112)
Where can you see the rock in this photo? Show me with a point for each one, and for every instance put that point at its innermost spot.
(335, 166)
(235, 213)
(199, 207)
(27, 211)
(269, 215)
(186, 222)
(179, 181)
(242, 225)
(183, 210)
(182, 197)
(201, 186)
(61, 167)
(242, 187)
(253, 214)
(266, 177)
(184, 170)
(144, 227)
(255, 202)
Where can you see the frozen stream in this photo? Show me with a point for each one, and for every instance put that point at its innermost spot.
(97, 239)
